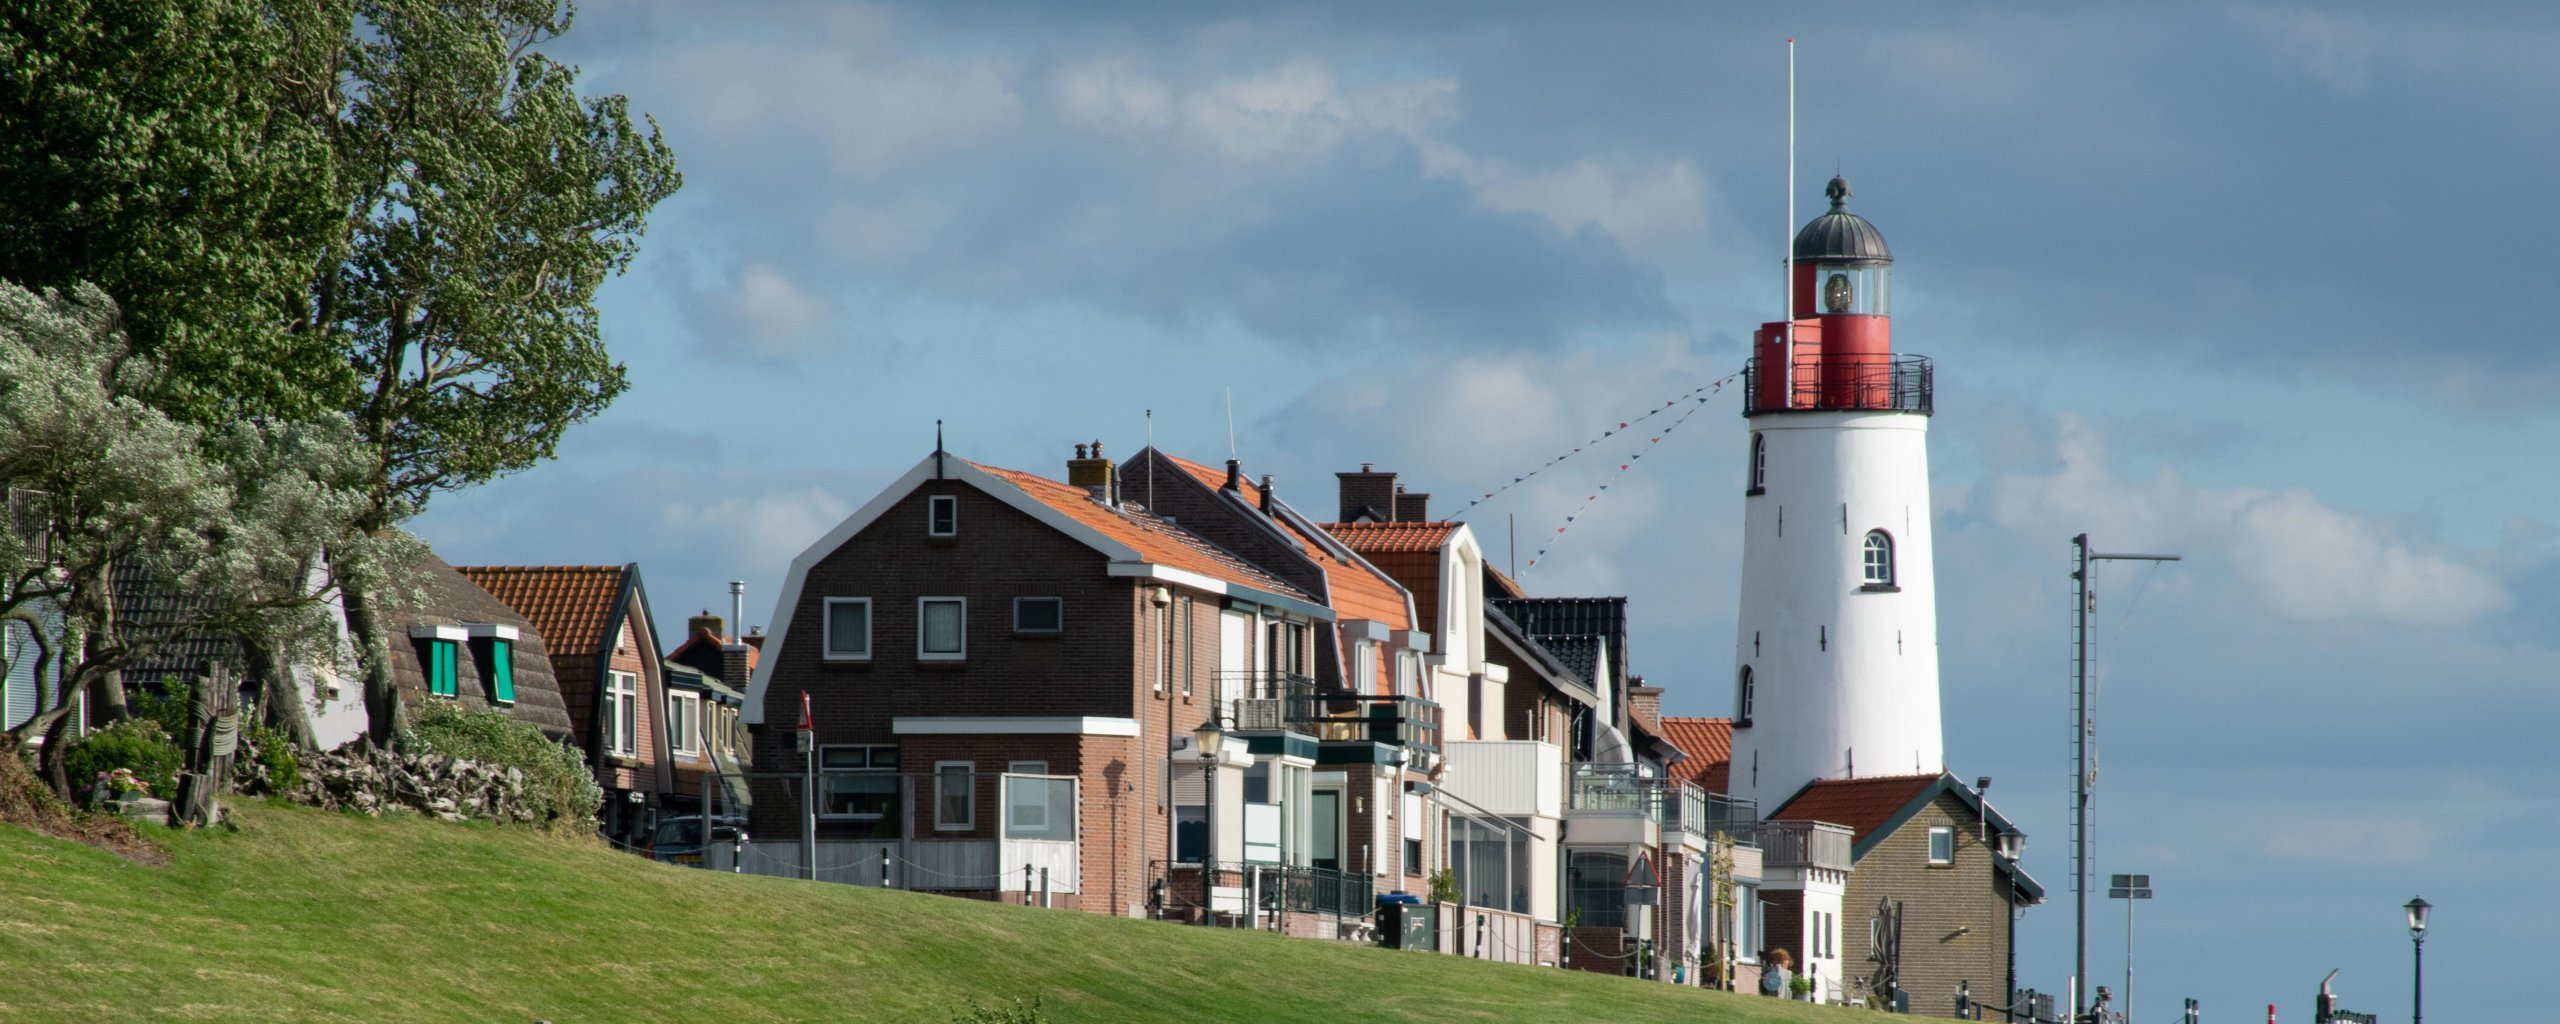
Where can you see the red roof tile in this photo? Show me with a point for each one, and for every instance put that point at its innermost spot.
(1388, 538)
(1155, 540)
(1862, 804)
(1709, 744)
(1359, 591)
(567, 604)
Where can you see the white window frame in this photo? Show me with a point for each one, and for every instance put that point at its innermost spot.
(827, 629)
(1936, 834)
(684, 728)
(622, 706)
(868, 768)
(1027, 767)
(1868, 564)
(1759, 462)
(959, 655)
(1364, 672)
(933, 506)
(1061, 627)
(1408, 674)
(1746, 687)
(971, 822)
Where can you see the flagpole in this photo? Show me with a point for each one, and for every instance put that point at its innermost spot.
(1786, 289)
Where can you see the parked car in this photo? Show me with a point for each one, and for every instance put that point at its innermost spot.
(679, 840)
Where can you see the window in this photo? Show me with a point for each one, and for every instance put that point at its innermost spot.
(1596, 885)
(440, 669)
(1759, 464)
(1027, 767)
(955, 796)
(1410, 810)
(502, 670)
(1942, 845)
(1748, 925)
(942, 516)
(1041, 809)
(1742, 698)
(857, 782)
(1038, 614)
(848, 629)
(1408, 674)
(1879, 560)
(1364, 661)
(684, 717)
(941, 631)
(622, 714)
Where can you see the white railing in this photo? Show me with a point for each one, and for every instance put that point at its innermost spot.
(1521, 777)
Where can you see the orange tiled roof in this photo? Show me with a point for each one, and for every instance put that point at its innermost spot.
(1862, 804)
(1709, 744)
(1391, 538)
(1359, 591)
(567, 604)
(1155, 540)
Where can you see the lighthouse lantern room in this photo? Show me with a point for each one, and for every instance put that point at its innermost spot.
(1836, 666)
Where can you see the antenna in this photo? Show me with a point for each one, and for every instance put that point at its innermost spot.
(937, 449)
(1787, 288)
(1151, 462)
(1231, 421)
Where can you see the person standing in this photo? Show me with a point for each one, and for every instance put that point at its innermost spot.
(1774, 978)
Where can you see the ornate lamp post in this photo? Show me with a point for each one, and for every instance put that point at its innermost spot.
(2417, 908)
(1207, 737)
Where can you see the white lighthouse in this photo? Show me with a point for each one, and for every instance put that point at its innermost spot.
(1836, 661)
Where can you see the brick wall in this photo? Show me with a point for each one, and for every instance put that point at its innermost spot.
(1955, 918)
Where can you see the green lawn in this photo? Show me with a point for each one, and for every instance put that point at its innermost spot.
(306, 915)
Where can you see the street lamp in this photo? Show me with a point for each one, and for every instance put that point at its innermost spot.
(2129, 888)
(2417, 908)
(1207, 737)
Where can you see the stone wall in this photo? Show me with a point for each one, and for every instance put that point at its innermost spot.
(366, 780)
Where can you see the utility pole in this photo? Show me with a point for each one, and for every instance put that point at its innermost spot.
(2083, 602)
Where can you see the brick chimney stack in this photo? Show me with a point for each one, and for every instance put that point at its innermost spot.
(1412, 508)
(1644, 704)
(1095, 474)
(718, 626)
(1370, 490)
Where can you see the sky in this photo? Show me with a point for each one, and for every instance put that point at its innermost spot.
(2249, 283)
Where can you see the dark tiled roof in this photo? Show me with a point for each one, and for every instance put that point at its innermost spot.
(149, 610)
(451, 599)
(1864, 805)
(1579, 655)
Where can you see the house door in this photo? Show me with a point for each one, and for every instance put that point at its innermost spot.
(1235, 641)
(1326, 838)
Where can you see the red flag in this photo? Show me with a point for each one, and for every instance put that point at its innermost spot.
(806, 724)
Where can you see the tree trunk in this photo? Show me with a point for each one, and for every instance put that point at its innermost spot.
(280, 698)
(384, 719)
(49, 762)
(106, 693)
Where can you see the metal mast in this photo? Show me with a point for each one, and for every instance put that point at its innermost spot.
(2083, 603)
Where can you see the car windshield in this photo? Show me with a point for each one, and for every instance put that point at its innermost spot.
(681, 832)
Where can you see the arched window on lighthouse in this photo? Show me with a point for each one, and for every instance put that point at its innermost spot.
(1879, 560)
(1742, 696)
(1759, 463)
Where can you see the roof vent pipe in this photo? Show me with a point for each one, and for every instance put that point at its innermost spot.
(1235, 474)
(737, 609)
(1266, 494)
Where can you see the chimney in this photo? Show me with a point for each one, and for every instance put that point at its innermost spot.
(1266, 494)
(1412, 508)
(696, 625)
(1644, 704)
(1370, 490)
(737, 606)
(1235, 475)
(1095, 474)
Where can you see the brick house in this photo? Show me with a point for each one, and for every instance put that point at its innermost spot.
(711, 668)
(595, 621)
(1005, 670)
(1927, 846)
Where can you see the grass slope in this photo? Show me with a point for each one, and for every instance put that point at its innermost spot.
(313, 916)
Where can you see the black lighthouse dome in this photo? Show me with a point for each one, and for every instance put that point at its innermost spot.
(1840, 236)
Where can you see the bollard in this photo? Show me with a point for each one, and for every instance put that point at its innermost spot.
(737, 853)
(1044, 888)
(884, 867)
(1479, 936)
(1026, 883)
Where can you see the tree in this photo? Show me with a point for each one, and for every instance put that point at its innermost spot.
(231, 517)
(150, 150)
(484, 203)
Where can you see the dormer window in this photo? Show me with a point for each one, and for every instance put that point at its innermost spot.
(1878, 561)
(942, 516)
(493, 652)
(439, 649)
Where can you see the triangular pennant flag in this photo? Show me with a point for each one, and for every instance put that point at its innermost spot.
(1566, 519)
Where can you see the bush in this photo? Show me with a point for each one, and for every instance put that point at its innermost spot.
(276, 754)
(555, 775)
(136, 743)
(1018, 1012)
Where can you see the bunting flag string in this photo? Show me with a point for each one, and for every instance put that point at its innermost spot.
(1619, 474)
(1701, 393)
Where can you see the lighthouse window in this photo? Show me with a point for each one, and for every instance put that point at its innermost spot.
(1742, 699)
(1759, 464)
(1879, 559)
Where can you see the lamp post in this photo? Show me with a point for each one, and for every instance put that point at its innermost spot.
(2417, 908)
(1207, 737)
(2129, 888)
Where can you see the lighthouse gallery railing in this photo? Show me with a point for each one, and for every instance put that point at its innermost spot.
(1837, 383)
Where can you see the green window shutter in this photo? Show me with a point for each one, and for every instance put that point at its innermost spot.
(502, 671)
(440, 673)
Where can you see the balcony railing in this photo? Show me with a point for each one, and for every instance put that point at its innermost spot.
(1265, 701)
(1838, 383)
(1671, 803)
(1268, 702)
(1815, 844)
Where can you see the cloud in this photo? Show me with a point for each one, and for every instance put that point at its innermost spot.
(2305, 560)
(760, 313)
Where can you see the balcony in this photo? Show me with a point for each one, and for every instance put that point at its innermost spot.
(1508, 777)
(1257, 701)
(1671, 804)
(1267, 702)
(1805, 844)
(1837, 384)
